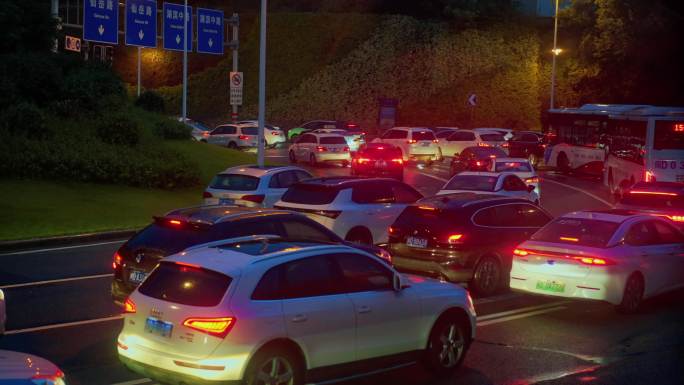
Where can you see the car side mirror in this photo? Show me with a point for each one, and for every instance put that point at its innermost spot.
(530, 188)
(396, 283)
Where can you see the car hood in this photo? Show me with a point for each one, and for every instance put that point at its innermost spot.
(16, 365)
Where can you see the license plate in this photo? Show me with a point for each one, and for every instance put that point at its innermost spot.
(158, 327)
(137, 276)
(334, 149)
(226, 201)
(425, 144)
(381, 164)
(552, 286)
(420, 243)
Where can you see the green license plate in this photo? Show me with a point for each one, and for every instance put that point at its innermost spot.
(556, 287)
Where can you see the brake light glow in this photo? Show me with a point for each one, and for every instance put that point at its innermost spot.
(117, 260)
(52, 378)
(505, 145)
(129, 306)
(175, 222)
(362, 160)
(345, 149)
(186, 264)
(275, 133)
(478, 163)
(435, 140)
(594, 261)
(521, 252)
(321, 149)
(649, 176)
(569, 239)
(427, 208)
(243, 137)
(219, 327)
(411, 141)
(253, 198)
(398, 161)
(653, 193)
(676, 218)
(391, 230)
(532, 180)
(207, 194)
(454, 239)
(483, 144)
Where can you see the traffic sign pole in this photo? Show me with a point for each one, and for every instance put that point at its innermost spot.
(185, 62)
(262, 83)
(234, 114)
(139, 69)
(55, 14)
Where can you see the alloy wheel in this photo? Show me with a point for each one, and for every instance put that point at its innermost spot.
(451, 345)
(275, 371)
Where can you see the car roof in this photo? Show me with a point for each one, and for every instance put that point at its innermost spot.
(484, 173)
(228, 260)
(210, 215)
(512, 160)
(464, 199)
(256, 171)
(325, 134)
(613, 215)
(412, 128)
(656, 187)
(343, 181)
(492, 129)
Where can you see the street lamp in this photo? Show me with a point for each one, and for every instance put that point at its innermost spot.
(262, 83)
(556, 51)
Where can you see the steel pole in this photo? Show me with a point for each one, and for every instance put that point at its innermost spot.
(234, 115)
(54, 10)
(262, 83)
(553, 60)
(139, 70)
(185, 63)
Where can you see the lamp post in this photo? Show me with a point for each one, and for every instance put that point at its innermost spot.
(262, 83)
(556, 51)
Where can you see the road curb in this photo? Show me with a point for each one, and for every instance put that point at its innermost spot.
(28, 244)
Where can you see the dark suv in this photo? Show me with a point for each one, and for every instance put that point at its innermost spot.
(184, 228)
(527, 144)
(464, 237)
(658, 198)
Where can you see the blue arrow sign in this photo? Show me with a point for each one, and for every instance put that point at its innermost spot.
(141, 23)
(101, 21)
(210, 31)
(173, 26)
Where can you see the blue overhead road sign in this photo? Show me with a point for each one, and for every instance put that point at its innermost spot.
(141, 23)
(210, 31)
(101, 21)
(173, 26)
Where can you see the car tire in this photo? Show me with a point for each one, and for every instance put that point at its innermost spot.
(292, 156)
(632, 295)
(563, 163)
(270, 365)
(447, 346)
(232, 145)
(487, 276)
(360, 235)
(312, 160)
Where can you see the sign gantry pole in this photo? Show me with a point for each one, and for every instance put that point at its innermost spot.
(262, 83)
(185, 61)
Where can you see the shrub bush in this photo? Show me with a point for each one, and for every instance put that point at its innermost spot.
(94, 87)
(24, 119)
(171, 129)
(119, 129)
(150, 101)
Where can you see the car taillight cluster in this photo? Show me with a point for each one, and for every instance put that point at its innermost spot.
(583, 259)
(398, 161)
(411, 141)
(117, 261)
(362, 160)
(676, 218)
(532, 180)
(345, 149)
(243, 137)
(129, 306)
(48, 378)
(483, 144)
(321, 149)
(207, 194)
(455, 239)
(275, 133)
(253, 198)
(219, 327)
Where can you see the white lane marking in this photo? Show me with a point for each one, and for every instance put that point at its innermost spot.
(134, 382)
(497, 298)
(432, 176)
(521, 310)
(63, 325)
(605, 202)
(60, 248)
(61, 280)
(276, 156)
(519, 316)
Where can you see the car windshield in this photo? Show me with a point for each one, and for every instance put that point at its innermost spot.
(235, 182)
(168, 238)
(485, 152)
(200, 125)
(423, 135)
(472, 183)
(185, 285)
(250, 130)
(492, 137)
(513, 166)
(333, 140)
(653, 200)
(582, 232)
(381, 153)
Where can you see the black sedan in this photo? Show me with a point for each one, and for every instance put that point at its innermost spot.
(475, 159)
(378, 159)
(527, 144)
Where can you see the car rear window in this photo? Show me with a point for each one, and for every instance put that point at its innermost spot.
(472, 182)
(483, 152)
(423, 135)
(186, 285)
(169, 238)
(384, 153)
(583, 232)
(513, 167)
(250, 130)
(333, 140)
(235, 182)
(312, 194)
(492, 137)
(654, 201)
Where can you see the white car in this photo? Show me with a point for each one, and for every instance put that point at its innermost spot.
(416, 143)
(22, 368)
(320, 148)
(506, 132)
(354, 139)
(266, 311)
(235, 136)
(357, 209)
(520, 167)
(199, 132)
(499, 183)
(252, 186)
(3, 313)
(443, 133)
(462, 139)
(614, 256)
(273, 135)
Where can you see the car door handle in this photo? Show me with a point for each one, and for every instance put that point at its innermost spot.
(364, 309)
(299, 318)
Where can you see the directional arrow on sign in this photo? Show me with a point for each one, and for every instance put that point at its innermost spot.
(100, 30)
(472, 100)
(177, 39)
(211, 42)
(141, 34)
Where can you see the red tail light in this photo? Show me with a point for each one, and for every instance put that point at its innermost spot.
(521, 252)
(321, 149)
(653, 193)
(275, 133)
(207, 194)
(398, 161)
(253, 198)
(506, 145)
(219, 327)
(435, 140)
(478, 163)
(676, 218)
(455, 239)
(129, 306)
(583, 259)
(483, 144)
(391, 230)
(50, 378)
(243, 137)
(117, 261)
(345, 149)
(411, 141)
(175, 222)
(205, 134)
(362, 160)
(532, 180)
(594, 261)
(186, 264)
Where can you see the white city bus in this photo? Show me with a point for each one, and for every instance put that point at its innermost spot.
(623, 144)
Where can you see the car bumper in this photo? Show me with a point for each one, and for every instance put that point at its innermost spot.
(169, 376)
(598, 286)
(120, 292)
(333, 157)
(371, 171)
(271, 140)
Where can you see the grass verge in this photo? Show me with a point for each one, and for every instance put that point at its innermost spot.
(38, 208)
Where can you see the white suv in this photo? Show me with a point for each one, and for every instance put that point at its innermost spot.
(265, 311)
(357, 209)
(320, 148)
(416, 143)
(234, 136)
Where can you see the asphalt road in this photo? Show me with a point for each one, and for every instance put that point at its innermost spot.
(59, 308)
